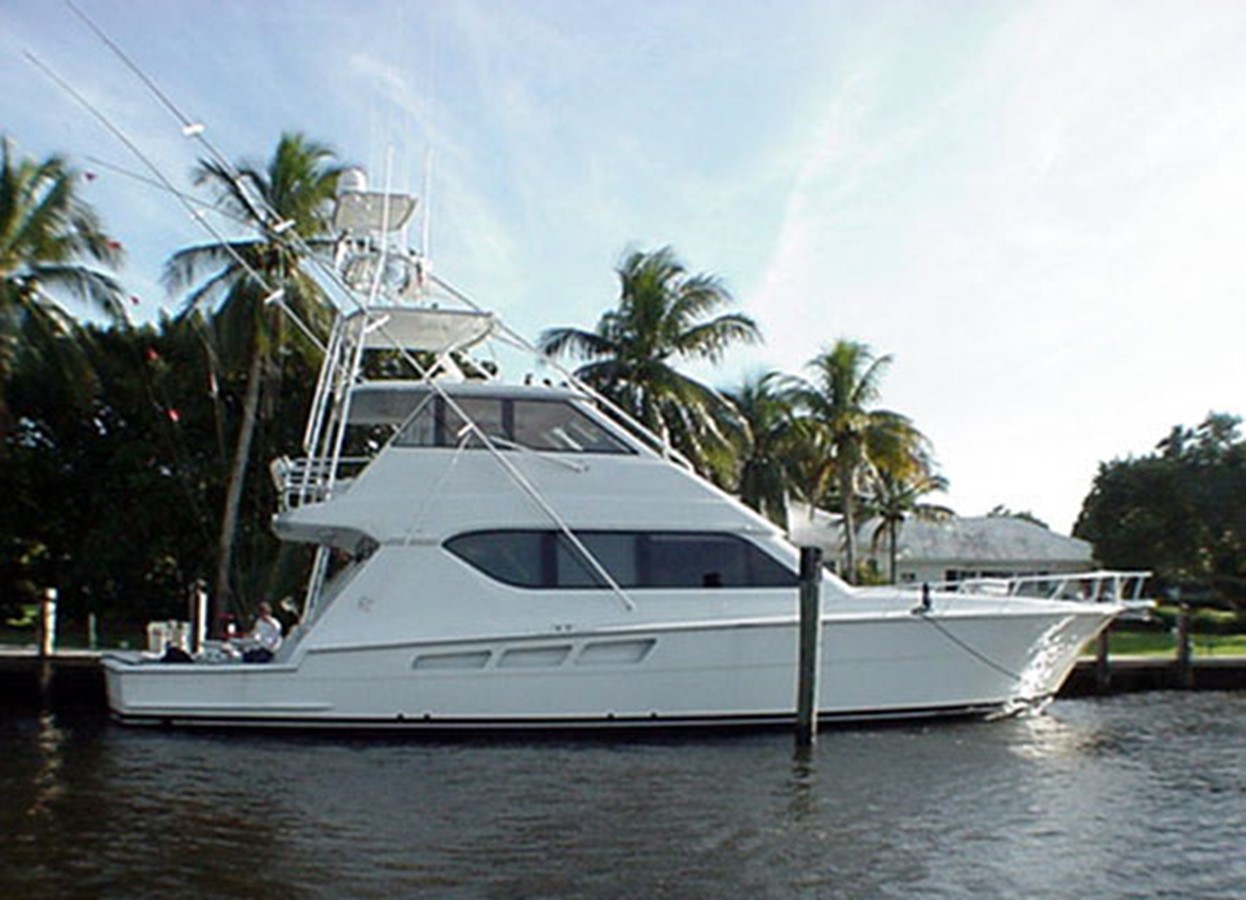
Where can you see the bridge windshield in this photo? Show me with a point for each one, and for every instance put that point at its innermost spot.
(535, 424)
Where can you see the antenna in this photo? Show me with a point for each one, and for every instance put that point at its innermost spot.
(425, 220)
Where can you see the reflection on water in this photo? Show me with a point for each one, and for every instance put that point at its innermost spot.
(47, 786)
(1097, 798)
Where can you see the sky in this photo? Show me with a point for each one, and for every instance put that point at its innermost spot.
(1032, 207)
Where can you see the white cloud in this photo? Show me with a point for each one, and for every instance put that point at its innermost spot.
(1049, 248)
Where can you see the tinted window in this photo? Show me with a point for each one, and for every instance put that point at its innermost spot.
(614, 551)
(688, 560)
(542, 425)
(548, 559)
(535, 424)
(516, 557)
(485, 412)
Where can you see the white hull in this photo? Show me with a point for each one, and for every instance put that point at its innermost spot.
(710, 674)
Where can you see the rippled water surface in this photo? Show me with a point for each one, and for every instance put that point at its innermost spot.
(1142, 795)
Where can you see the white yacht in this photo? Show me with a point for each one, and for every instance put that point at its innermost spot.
(523, 555)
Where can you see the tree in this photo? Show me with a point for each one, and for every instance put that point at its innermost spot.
(836, 408)
(764, 404)
(286, 200)
(893, 497)
(114, 497)
(664, 316)
(1177, 511)
(46, 230)
(1000, 511)
(94, 503)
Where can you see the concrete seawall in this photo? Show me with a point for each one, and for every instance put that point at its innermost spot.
(1129, 674)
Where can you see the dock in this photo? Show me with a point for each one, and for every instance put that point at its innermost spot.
(65, 679)
(74, 679)
(1131, 674)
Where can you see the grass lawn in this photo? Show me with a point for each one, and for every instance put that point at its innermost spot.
(1162, 643)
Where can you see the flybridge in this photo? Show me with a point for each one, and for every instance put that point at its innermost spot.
(422, 345)
(403, 357)
(401, 370)
(397, 330)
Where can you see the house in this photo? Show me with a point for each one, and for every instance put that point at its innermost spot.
(954, 549)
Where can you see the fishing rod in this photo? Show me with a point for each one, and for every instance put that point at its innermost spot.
(264, 214)
(272, 296)
(190, 128)
(200, 206)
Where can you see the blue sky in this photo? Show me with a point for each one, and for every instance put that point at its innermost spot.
(1034, 207)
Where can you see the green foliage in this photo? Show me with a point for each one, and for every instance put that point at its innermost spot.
(113, 498)
(1179, 511)
(287, 203)
(896, 494)
(664, 316)
(850, 444)
(1000, 511)
(769, 440)
(46, 232)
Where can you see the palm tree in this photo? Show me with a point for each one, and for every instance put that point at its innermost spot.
(287, 199)
(894, 496)
(46, 229)
(836, 406)
(764, 403)
(663, 316)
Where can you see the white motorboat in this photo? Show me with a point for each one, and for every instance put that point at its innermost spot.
(523, 555)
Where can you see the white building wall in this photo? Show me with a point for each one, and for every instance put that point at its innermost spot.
(935, 552)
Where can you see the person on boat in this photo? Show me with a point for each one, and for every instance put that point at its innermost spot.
(266, 635)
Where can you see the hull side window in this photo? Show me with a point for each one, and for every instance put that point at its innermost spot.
(547, 559)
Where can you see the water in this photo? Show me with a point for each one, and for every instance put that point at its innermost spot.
(1141, 795)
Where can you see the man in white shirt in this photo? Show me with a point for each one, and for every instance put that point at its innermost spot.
(266, 634)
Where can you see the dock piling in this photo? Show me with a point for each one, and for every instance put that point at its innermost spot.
(1184, 668)
(199, 615)
(47, 622)
(810, 639)
(1103, 665)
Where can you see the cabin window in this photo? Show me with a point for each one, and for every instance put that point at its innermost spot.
(486, 412)
(515, 557)
(614, 551)
(549, 559)
(548, 425)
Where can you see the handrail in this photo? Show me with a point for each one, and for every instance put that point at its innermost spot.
(309, 479)
(1103, 585)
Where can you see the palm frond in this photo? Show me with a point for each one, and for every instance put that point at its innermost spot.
(574, 342)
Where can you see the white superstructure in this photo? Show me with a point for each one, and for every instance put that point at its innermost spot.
(522, 555)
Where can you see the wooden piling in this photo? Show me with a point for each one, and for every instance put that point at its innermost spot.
(47, 622)
(810, 634)
(198, 615)
(1103, 666)
(1184, 670)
